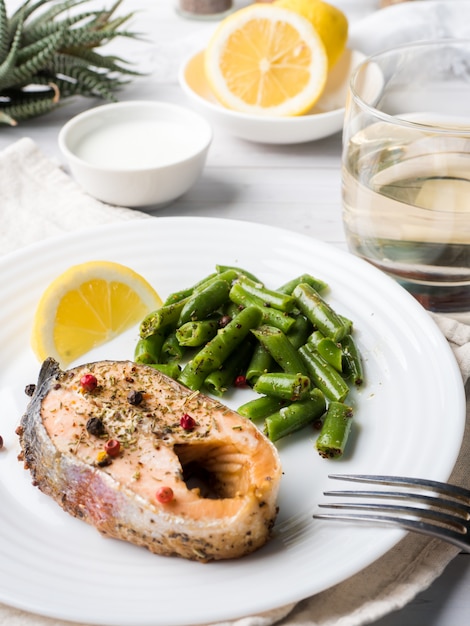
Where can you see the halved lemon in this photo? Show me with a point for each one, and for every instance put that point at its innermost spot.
(266, 60)
(88, 305)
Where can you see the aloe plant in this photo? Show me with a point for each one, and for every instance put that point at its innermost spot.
(48, 53)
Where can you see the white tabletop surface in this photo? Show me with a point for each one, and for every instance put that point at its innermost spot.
(294, 187)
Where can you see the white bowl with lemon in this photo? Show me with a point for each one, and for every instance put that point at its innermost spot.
(274, 73)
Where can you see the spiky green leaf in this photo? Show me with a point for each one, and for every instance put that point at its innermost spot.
(4, 32)
(49, 53)
(22, 74)
(9, 62)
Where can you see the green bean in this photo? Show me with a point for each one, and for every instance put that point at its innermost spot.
(331, 351)
(195, 334)
(218, 381)
(261, 407)
(295, 416)
(271, 316)
(148, 350)
(166, 317)
(315, 338)
(205, 301)
(214, 353)
(231, 309)
(323, 375)
(300, 331)
(224, 268)
(261, 362)
(230, 275)
(270, 298)
(281, 349)
(316, 283)
(172, 369)
(177, 296)
(334, 433)
(319, 312)
(347, 324)
(291, 387)
(172, 350)
(352, 359)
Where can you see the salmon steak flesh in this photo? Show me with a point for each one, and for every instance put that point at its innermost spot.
(146, 460)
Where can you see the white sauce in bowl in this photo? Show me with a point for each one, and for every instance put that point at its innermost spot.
(137, 144)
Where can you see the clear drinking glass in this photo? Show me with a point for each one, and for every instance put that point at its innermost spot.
(406, 169)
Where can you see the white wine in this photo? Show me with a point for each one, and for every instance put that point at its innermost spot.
(406, 209)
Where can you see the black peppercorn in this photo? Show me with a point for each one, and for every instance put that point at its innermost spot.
(30, 389)
(135, 397)
(95, 426)
(224, 320)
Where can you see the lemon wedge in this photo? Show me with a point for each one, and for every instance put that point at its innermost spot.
(88, 305)
(329, 22)
(266, 60)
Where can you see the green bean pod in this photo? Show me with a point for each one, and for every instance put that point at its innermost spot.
(324, 376)
(352, 360)
(281, 349)
(300, 331)
(177, 296)
(172, 350)
(316, 283)
(204, 302)
(319, 312)
(295, 416)
(270, 298)
(261, 362)
(334, 433)
(172, 369)
(148, 350)
(261, 407)
(166, 317)
(292, 387)
(195, 334)
(271, 316)
(230, 275)
(218, 381)
(331, 351)
(221, 269)
(213, 354)
(347, 324)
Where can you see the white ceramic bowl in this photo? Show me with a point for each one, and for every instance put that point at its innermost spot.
(136, 154)
(326, 117)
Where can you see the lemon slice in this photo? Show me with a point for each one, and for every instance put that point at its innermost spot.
(330, 23)
(88, 305)
(266, 60)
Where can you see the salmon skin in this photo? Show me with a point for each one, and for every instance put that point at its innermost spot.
(223, 473)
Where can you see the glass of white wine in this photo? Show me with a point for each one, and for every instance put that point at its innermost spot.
(406, 169)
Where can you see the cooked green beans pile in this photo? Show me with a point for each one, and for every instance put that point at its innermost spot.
(287, 344)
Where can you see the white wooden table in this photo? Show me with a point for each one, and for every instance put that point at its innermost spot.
(295, 187)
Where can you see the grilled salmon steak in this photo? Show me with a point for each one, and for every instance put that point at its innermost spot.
(146, 460)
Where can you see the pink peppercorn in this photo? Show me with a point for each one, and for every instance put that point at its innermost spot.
(240, 381)
(112, 447)
(164, 495)
(187, 422)
(88, 382)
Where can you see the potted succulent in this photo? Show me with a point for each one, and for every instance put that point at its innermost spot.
(50, 51)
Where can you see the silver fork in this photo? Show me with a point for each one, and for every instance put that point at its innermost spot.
(444, 510)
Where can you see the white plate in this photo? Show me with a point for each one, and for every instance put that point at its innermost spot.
(326, 118)
(55, 565)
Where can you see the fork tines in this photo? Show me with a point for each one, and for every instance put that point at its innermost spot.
(445, 515)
